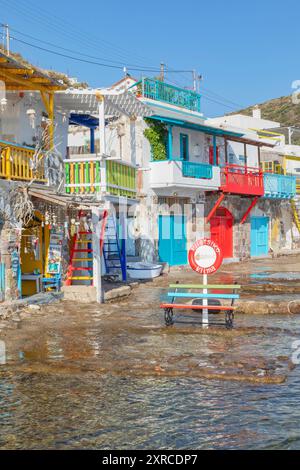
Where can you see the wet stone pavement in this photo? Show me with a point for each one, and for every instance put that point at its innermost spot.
(114, 377)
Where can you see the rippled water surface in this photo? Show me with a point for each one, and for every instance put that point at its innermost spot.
(115, 378)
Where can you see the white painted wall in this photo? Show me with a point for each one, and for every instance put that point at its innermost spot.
(15, 125)
(244, 122)
(168, 175)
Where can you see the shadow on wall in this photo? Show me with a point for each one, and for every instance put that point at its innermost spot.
(54, 169)
(147, 250)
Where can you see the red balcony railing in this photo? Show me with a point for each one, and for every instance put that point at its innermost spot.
(238, 179)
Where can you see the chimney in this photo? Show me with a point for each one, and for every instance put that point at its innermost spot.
(256, 113)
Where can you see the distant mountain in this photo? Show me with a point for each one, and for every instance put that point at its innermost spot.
(282, 110)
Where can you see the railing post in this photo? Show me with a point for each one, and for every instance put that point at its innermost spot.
(170, 143)
(143, 87)
(215, 149)
(7, 163)
(103, 175)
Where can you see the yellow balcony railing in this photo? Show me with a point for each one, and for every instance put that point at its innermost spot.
(16, 163)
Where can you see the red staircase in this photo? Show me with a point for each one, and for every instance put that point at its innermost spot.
(81, 259)
(81, 254)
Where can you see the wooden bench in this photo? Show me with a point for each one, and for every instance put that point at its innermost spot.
(169, 307)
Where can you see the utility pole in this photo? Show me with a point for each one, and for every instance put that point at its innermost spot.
(290, 135)
(194, 80)
(6, 29)
(162, 72)
(199, 79)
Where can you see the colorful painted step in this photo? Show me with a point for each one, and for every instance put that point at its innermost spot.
(81, 278)
(83, 259)
(80, 268)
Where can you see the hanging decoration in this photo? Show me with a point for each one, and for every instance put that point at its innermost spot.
(31, 115)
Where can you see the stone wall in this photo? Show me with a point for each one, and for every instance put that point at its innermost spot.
(282, 234)
(9, 244)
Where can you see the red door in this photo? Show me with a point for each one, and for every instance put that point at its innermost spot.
(221, 231)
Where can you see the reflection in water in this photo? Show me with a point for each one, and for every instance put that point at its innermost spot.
(115, 377)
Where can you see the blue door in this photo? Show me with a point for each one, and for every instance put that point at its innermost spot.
(172, 239)
(184, 147)
(259, 236)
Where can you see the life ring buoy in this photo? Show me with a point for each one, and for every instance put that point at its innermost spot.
(205, 256)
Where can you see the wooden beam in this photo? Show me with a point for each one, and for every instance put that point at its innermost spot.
(16, 71)
(26, 82)
(41, 80)
(245, 154)
(214, 209)
(45, 101)
(11, 79)
(245, 216)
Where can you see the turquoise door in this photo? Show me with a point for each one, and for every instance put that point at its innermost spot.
(259, 236)
(184, 147)
(172, 240)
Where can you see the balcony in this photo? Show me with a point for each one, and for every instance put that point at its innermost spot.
(279, 186)
(89, 175)
(17, 163)
(161, 91)
(238, 179)
(183, 174)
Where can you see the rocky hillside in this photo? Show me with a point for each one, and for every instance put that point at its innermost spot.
(57, 75)
(282, 110)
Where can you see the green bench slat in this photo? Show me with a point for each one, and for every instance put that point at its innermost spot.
(197, 295)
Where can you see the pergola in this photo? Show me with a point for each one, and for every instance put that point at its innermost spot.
(91, 108)
(17, 76)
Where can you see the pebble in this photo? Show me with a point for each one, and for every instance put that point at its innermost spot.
(34, 307)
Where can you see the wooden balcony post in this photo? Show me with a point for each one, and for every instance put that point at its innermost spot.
(215, 149)
(170, 143)
(103, 175)
(92, 140)
(102, 136)
(97, 264)
(8, 163)
(51, 117)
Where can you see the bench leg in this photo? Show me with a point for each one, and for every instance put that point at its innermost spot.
(229, 320)
(169, 316)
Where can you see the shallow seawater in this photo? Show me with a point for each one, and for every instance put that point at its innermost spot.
(116, 378)
(284, 276)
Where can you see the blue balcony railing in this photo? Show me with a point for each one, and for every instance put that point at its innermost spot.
(161, 91)
(197, 170)
(279, 186)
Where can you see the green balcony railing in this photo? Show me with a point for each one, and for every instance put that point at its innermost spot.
(161, 91)
(120, 179)
(85, 176)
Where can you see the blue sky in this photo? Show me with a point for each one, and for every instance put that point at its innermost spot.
(247, 52)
